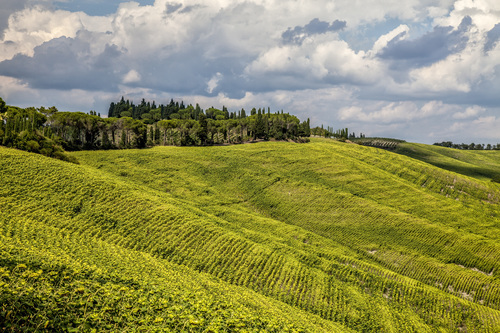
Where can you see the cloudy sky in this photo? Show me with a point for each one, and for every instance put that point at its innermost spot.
(419, 70)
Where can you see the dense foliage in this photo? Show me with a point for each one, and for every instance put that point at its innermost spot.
(275, 236)
(384, 143)
(47, 131)
(470, 146)
(24, 129)
(176, 124)
(328, 132)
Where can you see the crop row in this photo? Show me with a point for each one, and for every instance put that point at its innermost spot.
(292, 281)
(84, 284)
(133, 216)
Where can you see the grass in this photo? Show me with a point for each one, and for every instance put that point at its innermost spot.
(272, 236)
(480, 164)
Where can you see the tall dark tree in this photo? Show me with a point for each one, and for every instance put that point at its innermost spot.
(203, 131)
(3, 106)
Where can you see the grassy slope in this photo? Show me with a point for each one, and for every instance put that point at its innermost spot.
(481, 164)
(315, 233)
(66, 262)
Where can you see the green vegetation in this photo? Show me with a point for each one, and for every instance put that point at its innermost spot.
(384, 143)
(24, 129)
(481, 164)
(274, 236)
(470, 146)
(49, 132)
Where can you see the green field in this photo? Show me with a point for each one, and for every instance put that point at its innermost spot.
(273, 236)
(481, 164)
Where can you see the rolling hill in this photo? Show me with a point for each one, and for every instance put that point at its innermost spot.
(481, 164)
(273, 236)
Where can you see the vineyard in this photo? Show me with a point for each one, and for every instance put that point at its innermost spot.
(273, 236)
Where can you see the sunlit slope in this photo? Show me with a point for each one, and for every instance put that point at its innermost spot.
(481, 164)
(77, 252)
(397, 214)
(319, 236)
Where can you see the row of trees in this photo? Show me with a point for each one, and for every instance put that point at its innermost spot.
(329, 132)
(150, 113)
(25, 129)
(470, 146)
(49, 131)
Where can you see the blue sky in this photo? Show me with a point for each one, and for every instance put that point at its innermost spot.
(94, 7)
(423, 71)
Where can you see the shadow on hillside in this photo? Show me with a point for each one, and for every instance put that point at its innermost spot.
(467, 170)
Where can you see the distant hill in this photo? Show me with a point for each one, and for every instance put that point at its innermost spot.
(481, 164)
(273, 236)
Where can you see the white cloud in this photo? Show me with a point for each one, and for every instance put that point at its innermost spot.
(131, 77)
(437, 108)
(482, 129)
(318, 60)
(33, 26)
(401, 32)
(212, 83)
(469, 112)
(485, 13)
(382, 112)
(405, 111)
(235, 49)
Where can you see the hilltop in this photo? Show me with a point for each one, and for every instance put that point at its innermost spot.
(274, 236)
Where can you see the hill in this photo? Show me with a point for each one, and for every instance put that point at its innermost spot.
(481, 164)
(274, 236)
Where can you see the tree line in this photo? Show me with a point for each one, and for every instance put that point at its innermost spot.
(50, 132)
(468, 146)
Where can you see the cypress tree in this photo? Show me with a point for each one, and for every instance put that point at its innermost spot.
(111, 110)
(3, 106)
(203, 131)
(157, 134)
(123, 141)
(265, 119)
(2, 128)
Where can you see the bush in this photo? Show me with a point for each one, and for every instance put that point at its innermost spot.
(32, 146)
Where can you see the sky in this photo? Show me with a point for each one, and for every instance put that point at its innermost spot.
(422, 71)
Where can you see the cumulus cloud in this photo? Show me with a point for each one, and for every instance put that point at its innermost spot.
(398, 34)
(384, 112)
(132, 76)
(33, 26)
(482, 129)
(316, 63)
(469, 112)
(404, 111)
(8, 7)
(66, 63)
(430, 48)
(421, 60)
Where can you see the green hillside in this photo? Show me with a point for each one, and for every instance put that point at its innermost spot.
(273, 236)
(481, 164)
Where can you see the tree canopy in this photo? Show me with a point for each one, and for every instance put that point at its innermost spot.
(49, 131)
